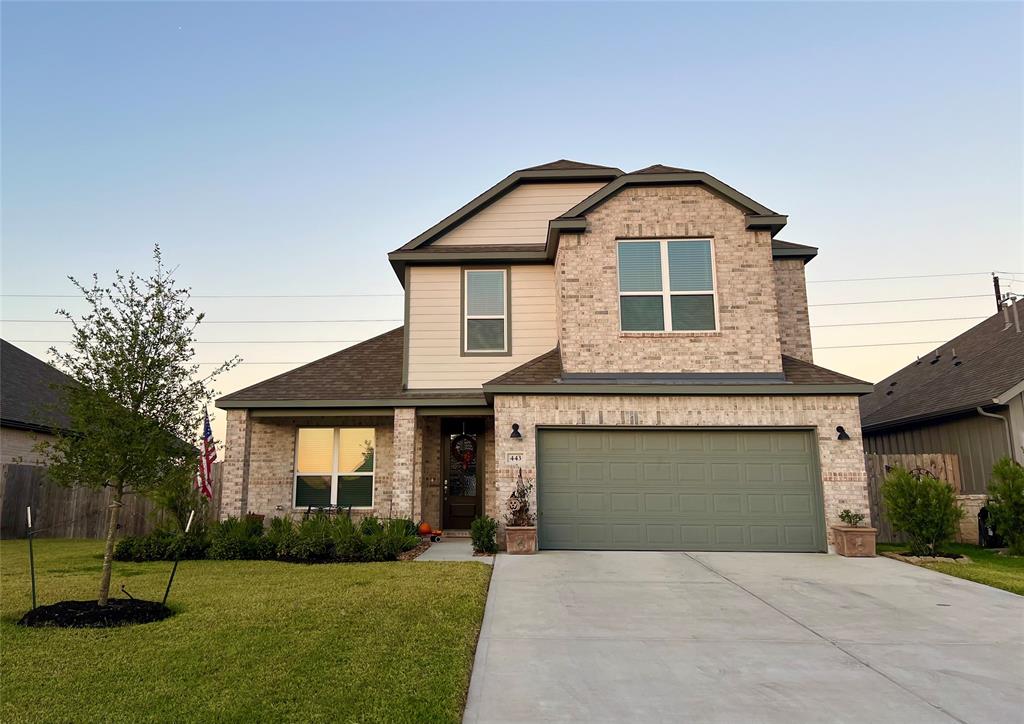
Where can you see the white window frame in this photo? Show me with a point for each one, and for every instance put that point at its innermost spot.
(466, 316)
(334, 473)
(666, 292)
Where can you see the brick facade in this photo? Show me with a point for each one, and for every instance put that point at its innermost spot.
(586, 277)
(794, 323)
(843, 476)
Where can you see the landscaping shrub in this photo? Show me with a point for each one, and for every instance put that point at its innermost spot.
(162, 545)
(349, 545)
(484, 531)
(1006, 504)
(923, 508)
(240, 540)
(370, 525)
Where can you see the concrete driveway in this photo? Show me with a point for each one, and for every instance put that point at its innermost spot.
(743, 637)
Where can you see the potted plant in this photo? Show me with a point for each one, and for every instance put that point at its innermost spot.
(852, 539)
(520, 522)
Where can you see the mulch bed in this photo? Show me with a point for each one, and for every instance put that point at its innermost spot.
(88, 614)
(414, 552)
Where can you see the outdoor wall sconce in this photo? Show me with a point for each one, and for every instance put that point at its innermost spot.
(516, 435)
(843, 434)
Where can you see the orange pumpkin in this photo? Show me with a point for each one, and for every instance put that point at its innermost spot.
(425, 528)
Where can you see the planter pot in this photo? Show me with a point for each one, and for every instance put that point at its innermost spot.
(854, 542)
(520, 540)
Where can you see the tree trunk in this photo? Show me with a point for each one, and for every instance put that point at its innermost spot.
(108, 553)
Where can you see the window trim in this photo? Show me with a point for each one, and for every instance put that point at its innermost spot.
(666, 292)
(334, 473)
(464, 351)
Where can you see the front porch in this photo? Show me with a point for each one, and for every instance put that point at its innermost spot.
(428, 464)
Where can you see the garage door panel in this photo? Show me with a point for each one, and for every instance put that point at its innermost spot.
(679, 489)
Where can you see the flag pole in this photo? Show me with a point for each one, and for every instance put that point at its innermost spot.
(177, 556)
(31, 556)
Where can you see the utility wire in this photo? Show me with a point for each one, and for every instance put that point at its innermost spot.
(900, 321)
(896, 301)
(227, 321)
(222, 296)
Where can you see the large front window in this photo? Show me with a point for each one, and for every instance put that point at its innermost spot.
(486, 305)
(334, 466)
(667, 286)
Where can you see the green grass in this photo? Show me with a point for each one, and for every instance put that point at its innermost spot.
(986, 566)
(251, 641)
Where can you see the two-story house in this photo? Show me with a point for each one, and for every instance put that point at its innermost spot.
(635, 343)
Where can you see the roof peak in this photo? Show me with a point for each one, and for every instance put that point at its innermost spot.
(565, 164)
(662, 168)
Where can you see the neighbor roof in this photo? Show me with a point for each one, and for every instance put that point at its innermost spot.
(365, 374)
(967, 372)
(545, 374)
(30, 396)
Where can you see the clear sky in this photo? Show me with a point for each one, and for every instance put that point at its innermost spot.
(285, 148)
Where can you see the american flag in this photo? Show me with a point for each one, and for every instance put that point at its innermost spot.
(207, 457)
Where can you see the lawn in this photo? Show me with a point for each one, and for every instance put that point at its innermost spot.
(986, 566)
(251, 641)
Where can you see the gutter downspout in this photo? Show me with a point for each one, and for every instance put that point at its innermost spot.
(1006, 426)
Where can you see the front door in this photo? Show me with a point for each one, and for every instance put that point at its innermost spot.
(462, 473)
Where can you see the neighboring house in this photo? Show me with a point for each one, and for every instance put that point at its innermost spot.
(637, 344)
(31, 408)
(965, 397)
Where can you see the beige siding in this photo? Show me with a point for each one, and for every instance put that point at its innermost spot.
(979, 441)
(16, 446)
(520, 216)
(435, 319)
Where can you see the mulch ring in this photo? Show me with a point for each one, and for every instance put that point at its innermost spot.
(414, 552)
(89, 614)
(918, 560)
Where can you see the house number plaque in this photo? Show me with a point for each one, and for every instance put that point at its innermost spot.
(514, 458)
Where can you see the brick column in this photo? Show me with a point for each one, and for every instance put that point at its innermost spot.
(404, 468)
(235, 478)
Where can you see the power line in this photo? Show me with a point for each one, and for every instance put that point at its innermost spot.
(885, 344)
(900, 321)
(896, 301)
(909, 276)
(222, 296)
(223, 341)
(226, 321)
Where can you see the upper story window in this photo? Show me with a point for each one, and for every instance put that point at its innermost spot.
(667, 286)
(334, 466)
(485, 301)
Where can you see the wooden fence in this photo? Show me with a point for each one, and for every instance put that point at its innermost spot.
(59, 512)
(944, 466)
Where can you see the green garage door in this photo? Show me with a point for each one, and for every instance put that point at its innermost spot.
(701, 490)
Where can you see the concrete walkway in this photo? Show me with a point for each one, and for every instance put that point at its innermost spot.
(743, 637)
(453, 549)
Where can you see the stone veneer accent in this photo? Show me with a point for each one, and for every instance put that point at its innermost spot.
(794, 323)
(586, 279)
(844, 480)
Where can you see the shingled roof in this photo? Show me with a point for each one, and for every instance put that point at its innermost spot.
(564, 164)
(370, 371)
(967, 372)
(30, 396)
(547, 370)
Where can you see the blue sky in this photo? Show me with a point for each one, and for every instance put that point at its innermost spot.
(278, 148)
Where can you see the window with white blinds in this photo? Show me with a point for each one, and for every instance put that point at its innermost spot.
(486, 310)
(667, 285)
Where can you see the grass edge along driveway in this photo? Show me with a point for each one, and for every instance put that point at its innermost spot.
(251, 641)
(986, 566)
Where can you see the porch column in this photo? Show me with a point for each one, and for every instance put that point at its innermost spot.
(404, 481)
(234, 482)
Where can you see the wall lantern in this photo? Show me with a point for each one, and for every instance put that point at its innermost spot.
(843, 434)
(516, 435)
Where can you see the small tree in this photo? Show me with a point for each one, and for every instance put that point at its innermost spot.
(1006, 503)
(137, 396)
(922, 507)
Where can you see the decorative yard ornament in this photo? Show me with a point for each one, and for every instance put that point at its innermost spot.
(518, 505)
